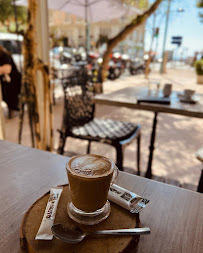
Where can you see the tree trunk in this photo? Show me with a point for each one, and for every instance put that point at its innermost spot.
(140, 19)
(40, 128)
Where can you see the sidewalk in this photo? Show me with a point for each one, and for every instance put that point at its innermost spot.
(177, 139)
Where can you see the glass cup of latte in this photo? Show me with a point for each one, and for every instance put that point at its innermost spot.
(89, 178)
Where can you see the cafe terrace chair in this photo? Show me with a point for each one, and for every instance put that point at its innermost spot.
(199, 156)
(79, 121)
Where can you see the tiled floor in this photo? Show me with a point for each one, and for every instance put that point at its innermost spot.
(177, 140)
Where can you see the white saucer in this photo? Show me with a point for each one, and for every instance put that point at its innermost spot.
(194, 99)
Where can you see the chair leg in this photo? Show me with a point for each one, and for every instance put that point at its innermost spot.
(53, 97)
(9, 113)
(88, 147)
(138, 154)
(200, 186)
(119, 154)
(62, 143)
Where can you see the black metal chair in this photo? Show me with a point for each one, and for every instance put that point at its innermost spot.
(79, 121)
(199, 156)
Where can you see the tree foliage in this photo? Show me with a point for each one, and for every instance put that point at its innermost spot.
(7, 14)
(200, 5)
(142, 4)
(138, 20)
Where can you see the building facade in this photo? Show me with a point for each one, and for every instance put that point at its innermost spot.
(73, 30)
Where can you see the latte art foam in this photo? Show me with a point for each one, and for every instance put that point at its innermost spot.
(90, 166)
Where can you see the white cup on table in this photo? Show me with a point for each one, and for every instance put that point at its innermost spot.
(188, 94)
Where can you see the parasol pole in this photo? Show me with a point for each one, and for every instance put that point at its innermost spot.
(17, 30)
(87, 27)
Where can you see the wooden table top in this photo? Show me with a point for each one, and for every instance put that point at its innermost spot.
(173, 214)
(127, 97)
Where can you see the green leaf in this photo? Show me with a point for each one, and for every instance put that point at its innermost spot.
(7, 13)
(200, 3)
(199, 67)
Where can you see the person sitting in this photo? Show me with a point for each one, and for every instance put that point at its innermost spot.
(10, 79)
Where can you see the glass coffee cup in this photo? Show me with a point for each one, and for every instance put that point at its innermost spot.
(167, 89)
(89, 178)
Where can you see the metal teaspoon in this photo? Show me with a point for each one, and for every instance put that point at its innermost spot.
(77, 235)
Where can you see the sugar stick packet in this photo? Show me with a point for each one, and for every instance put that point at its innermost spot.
(44, 232)
(127, 199)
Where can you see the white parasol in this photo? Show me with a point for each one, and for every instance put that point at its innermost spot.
(91, 10)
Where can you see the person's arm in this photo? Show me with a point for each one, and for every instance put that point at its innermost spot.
(5, 69)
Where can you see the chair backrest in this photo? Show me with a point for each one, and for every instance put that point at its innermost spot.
(78, 103)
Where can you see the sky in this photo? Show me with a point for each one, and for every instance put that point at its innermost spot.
(186, 24)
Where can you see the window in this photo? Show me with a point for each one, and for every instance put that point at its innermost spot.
(68, 19)
(79, 20)
(12, 46)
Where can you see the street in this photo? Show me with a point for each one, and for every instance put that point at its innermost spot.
(177, 139)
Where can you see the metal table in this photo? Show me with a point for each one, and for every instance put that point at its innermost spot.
(174, 215)
(128, 98)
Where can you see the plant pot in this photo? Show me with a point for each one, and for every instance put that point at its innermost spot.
(200, 79)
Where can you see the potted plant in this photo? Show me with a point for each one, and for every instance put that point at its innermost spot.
(199, 71)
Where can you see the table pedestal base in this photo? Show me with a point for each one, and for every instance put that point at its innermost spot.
(151, 148)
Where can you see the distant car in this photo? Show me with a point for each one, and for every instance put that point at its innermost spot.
(60, 62)
(13, 43)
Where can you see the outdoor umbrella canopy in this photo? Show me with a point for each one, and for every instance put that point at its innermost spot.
(91, 10)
